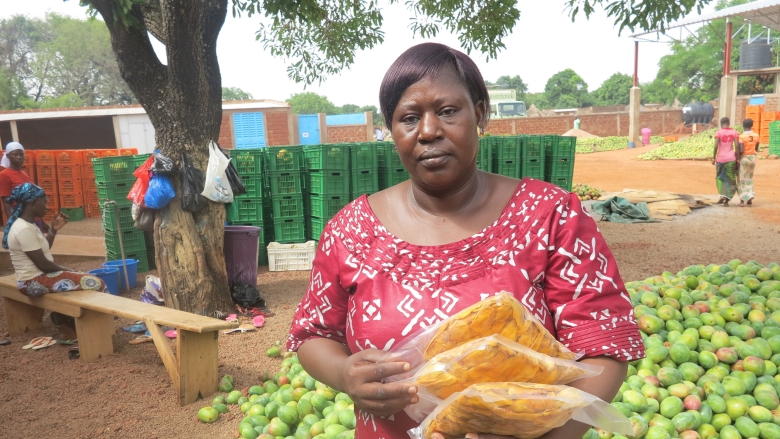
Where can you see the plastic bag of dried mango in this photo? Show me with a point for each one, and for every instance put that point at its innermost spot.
(500, 314)
(493, 359)
(522, 410)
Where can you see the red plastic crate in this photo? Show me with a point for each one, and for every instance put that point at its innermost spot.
(68, 172)
(92, 210)
(88, 154)
(52, 204)
(87, 172)
(69, 157)
(91, 197)
(128, 151)
(70, 186)
(49, 185)
(70, 201)
(30, 170)
(108, 152)
(29, 158)
(44, 158)
(89, 185)
(46, 172)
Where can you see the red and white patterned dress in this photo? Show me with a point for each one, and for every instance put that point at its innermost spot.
(369, 289)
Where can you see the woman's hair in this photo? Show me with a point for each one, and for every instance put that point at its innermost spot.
(429, 60)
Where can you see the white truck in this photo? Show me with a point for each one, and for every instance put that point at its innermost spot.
(504, 103)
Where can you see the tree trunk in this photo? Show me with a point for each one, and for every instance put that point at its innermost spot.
(183, 101)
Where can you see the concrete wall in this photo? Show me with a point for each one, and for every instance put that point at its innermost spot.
(601, 124)
(136, 131)
(279, 127)
(343, 133)
(73, 133)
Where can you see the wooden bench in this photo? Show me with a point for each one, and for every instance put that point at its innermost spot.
(193, 369)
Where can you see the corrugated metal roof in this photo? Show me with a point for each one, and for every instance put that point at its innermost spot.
(764, 13)
(125, 110)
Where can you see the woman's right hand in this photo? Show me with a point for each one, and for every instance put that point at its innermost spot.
(362, 376)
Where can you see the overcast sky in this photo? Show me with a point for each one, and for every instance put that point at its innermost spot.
(544, 42)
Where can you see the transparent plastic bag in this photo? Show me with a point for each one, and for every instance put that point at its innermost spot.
(500, 314)
(522, 410)
(494, 359)
(217, 187)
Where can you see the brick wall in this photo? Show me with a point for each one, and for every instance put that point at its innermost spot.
(603, 125)
(347, 133)
(225, 139)
(276, 131)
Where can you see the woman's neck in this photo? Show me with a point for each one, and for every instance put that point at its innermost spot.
(27, 215)
(463, 199)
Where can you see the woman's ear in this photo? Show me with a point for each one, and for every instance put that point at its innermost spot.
(481, 111)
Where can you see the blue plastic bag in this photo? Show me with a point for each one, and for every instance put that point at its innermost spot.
(160, 192)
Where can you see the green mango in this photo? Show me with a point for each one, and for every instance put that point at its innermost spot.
(769, 431)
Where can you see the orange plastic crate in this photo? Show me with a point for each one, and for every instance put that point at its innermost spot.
(91, 197)
(52, 203)
(88, 154)
(29, 157)
(69, 157)
(128, 151)
(754, 109)
(70, 201)
(89, 185)
(87, 172)
(670, 139)
(108, 152)
(92, 210)
(49, 185)
(44, 158)
(69, 172)
(70, 186)
(46, 171)
(30, 170)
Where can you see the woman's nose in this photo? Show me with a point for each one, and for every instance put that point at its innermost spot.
(430, 127)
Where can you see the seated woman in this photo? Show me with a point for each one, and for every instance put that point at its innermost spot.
(36, 272)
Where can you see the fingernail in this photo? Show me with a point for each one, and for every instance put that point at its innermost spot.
(407, 367)
(412, 390)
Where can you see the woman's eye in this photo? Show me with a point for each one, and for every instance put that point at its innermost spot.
(409, 119)
(448, 111)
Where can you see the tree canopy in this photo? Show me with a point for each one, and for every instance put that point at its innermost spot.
(312, 103)
(566, 89)
(614, 91)
(235, 94)
(515, 82)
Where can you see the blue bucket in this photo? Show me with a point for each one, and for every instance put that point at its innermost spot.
(132, 267)
(631, 144)
(110, 277)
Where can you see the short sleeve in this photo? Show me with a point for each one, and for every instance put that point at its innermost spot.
(717, 134)
(5, 185)
(27, 239)
(586, 296)
(323, 310)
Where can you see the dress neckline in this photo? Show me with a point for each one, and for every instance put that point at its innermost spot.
(464, 243)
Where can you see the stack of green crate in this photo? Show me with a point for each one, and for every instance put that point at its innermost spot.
(774, 138)
(114, 179)
(485, 154)
(559, 160)
(507, 155)
(287, 175)
(391, 170)
(327, 184)
(532, 157)
(253, 208)
(364, 167)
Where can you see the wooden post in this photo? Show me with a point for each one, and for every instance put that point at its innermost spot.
(198, 362)
(96, 334)
(117, 132)
(14, 131)
(636, 63)
(727, 56)
(22, 317)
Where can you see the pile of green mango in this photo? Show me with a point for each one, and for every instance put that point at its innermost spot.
(712, 336)
(612, 143)
(292, 405)
(697, 146)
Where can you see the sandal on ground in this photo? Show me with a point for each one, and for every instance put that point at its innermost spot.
(138, 327)
(74, 353)
(5, 342)
(35, 342)
(258, 321)
(141, 339)
(171, 334)
(242, 329)
(45, 344)
(231, 318)
(68, 342)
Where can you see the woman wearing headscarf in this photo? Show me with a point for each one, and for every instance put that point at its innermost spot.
(13, 175)
(36, 272)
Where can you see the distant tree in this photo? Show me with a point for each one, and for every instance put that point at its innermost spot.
(312, 103)
(566, 89)
(11, 90)
(537, 99)
(350, 109)
(235, 94)
(374, 114)
(70, 100)
(521, 88)
(614, 91)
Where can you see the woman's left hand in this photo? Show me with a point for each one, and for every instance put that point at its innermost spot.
(59, 222)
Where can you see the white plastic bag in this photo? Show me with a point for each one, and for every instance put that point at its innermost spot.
(152, 291)
(522, 410)
(217, 187)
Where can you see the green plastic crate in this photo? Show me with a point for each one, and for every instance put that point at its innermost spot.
(262, 256)
(266, 229)
(290, 230)
(508, 148)
(284, 158)
(364, 156)
(74, 214)
(548, 143)
(326, 206)
(286, 182)
(564, 146)
(315, 227)
(387, 156)
(248, 210)
(531, 148)
(287, 206)
(365, 181)
(327, 156)
(109, 215)
(391, 177)
(139, 160)
(485, 155)
(132, 240)
(254, 187)
(116, 191)
(328, 182)
(114, 169)
(564, 183)
(559, 165)
(141, 257)
(248, 162)
(508, 168)
(533, 168)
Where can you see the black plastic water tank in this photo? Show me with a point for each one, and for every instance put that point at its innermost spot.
(698, 112)
(756, 54)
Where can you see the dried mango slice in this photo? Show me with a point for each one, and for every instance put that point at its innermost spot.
(500, 314)
(493, 359)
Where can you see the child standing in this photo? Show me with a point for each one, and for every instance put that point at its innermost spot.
(749, 146)
(725, 157)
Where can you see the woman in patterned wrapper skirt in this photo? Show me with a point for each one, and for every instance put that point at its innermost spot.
(409, 256)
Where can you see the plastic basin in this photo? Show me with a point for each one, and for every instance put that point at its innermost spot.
(110, 277)
(132, 267)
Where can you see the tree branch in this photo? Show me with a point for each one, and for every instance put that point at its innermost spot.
(152, 19)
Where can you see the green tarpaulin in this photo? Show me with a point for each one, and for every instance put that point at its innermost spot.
(620, 210)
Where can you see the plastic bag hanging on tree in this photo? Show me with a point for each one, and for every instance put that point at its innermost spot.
(236, 185)
(192, 181)
(141, 185)
(145, 219)
(162, 164)
(160, 192)
(217, 187)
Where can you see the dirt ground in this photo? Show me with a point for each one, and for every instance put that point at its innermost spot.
(129, 395)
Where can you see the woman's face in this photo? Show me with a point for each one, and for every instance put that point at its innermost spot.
(16, 157)
(435, 131)
(39, 207)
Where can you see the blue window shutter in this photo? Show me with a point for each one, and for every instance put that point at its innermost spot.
(249, 130)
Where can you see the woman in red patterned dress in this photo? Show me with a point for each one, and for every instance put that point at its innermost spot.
(416, 253)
